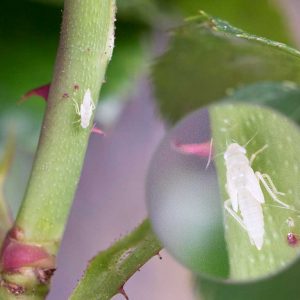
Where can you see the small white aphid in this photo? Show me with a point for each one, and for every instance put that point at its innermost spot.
(86, 109)
(245, 194)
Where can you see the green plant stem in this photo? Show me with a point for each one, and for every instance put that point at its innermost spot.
(110, 269)
(84, 51)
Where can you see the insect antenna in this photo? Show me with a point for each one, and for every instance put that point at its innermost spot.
(251, 139)
(221, 153)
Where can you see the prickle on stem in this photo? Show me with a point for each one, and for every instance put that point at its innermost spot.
(41, 91)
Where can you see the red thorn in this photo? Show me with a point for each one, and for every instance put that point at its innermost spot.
(97, 130)
(123, 293)
(201, 149)
(42, 91)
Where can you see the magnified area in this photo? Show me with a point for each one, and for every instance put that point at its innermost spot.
(223, 192)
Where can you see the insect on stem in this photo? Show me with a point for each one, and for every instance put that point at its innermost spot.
(85, 111)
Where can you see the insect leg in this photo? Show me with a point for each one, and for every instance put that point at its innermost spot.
(92, 105)
(254, 155)
(76, 107)
(227, 205)
(271, 183)
(270, 187)
(75, 122)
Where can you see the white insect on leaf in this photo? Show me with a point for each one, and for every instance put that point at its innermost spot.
(85, 111)
(245, 194)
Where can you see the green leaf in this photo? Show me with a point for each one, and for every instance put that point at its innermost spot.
(110, 269)
(259, 127)
(207, 57)
(277, 261)
(269, 19)
(284, 285)
(283, 97)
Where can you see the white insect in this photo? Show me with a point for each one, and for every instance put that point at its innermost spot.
(245, 194)
(86, 109)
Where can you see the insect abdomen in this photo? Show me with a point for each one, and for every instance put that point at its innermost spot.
(253, 218)
(85, 116)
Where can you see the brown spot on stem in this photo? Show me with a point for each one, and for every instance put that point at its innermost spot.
(44, 275)
(76, 87)
(13, 288)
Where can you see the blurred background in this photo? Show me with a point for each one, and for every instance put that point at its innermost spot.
(116, 165)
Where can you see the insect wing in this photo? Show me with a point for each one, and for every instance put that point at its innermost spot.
(253, 219)
(232, 193)
(87, 99)
(86, 109)
(253, 186)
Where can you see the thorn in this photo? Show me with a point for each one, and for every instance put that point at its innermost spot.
(123, 293)
(97, 130)
(41, 91)
(201, 149)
